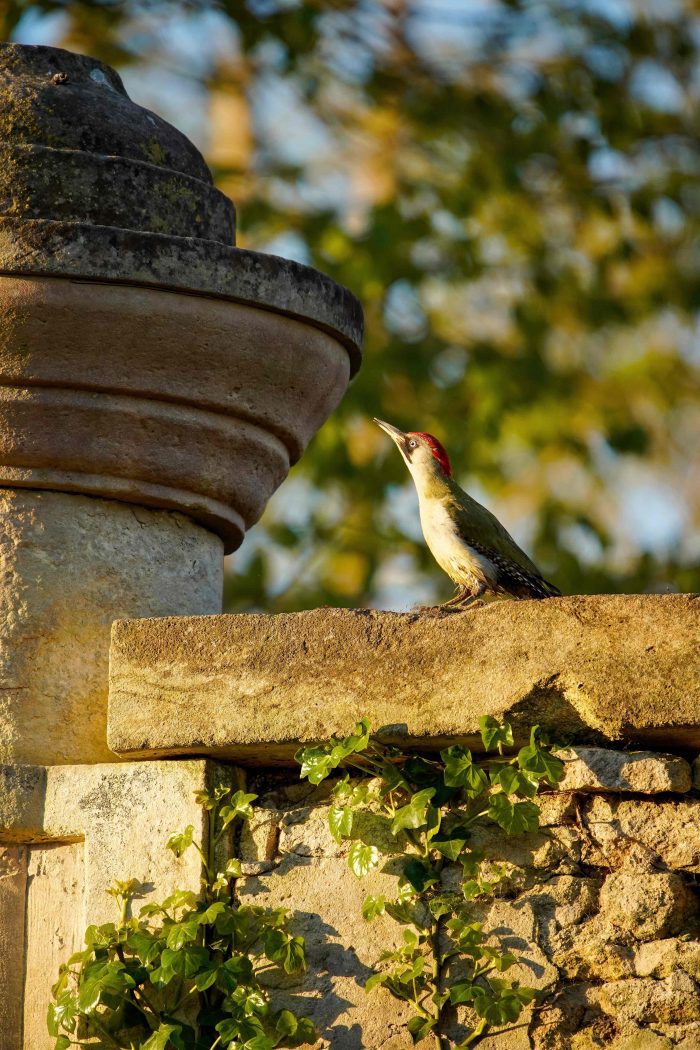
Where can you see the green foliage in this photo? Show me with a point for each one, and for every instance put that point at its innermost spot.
(513, 197)
(422, 812)
(183, 976)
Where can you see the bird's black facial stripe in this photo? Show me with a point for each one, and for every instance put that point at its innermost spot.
(408, 447)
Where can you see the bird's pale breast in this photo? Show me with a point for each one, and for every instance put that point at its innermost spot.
(449, 548)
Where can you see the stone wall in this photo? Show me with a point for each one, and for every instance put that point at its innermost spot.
(600, 905)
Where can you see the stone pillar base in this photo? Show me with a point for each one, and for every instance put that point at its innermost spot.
(66, 834)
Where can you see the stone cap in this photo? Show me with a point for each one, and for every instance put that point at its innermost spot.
(31, 247)
(95, 187)
(253, 687)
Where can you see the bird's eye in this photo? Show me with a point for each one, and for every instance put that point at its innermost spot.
(412, 443)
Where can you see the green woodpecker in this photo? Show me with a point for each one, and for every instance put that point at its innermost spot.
(465, 539)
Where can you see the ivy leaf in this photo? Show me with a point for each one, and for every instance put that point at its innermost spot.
(181, 840)
(316, 763)
(209, 916)
(425, 774)
(209, 799)
(62, 1043)
(321, 759)
(515, 781)
(535, 759)
(420, 874)
(393, 778)
(206, 977)
(340, 822)
(450, 843)
(357, 741)
(161, 1037)
(442, 904)
(420, 1027)
(185, 962)
(362, 858)
(287, 951)
(182, 933)
(501, 1003)
(375, 980)
(62, 1013)
(286, 1023)
(238, 808)
(514, 818)
(460, 770)
(462, 992)
(504, 962)
(494, 734)
(372, 907)
(260, 1042)
(102, 978)
(180, 899)
(229, 1030)
(145, 945)
(306, 1032)
(238, 969)
(414, 815)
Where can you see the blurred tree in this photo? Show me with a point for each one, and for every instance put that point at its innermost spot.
(511, 188)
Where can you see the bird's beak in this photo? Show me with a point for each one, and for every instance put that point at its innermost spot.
(394, 433)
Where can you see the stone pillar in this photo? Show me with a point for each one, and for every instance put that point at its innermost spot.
(156, 384)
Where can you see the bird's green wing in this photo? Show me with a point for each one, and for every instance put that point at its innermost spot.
(481, 526)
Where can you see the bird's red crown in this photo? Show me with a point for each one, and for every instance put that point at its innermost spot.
(437, 450)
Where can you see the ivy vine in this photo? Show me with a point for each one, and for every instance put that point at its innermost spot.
(423, 811)
(185, 974)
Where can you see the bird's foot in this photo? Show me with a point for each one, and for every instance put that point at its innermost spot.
(435, 610)
(464, 605)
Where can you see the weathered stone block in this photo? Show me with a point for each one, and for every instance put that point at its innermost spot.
(643, 1041)
(647, 905)
(668, 830)
(642, 1000)
(252, 687)
(600, 769)
(661, 958)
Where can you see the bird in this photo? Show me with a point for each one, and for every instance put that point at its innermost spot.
(467, 541)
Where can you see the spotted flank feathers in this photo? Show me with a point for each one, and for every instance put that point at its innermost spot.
(512, 579)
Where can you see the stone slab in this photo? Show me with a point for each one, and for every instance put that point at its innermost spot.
(252, 687)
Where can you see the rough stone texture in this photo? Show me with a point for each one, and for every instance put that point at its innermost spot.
(68, 566)
(673, 999)
(647, 904)
(668, 834)
(600, 769)
(643, 1041)
(253, 687)
(606, 928)
(80, 829)
(696, 774)
(268, 282)
(54, 928)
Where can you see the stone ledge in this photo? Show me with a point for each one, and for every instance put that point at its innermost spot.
(252, 687)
